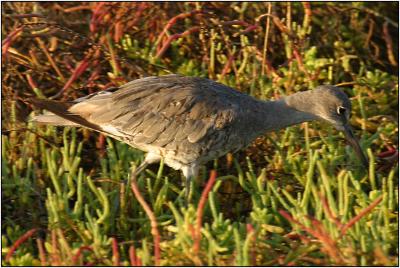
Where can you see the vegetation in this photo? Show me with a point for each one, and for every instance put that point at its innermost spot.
(295, 197)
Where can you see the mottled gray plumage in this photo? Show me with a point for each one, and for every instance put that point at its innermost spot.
(189, 121)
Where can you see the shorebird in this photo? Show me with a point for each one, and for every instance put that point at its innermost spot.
(188, 121)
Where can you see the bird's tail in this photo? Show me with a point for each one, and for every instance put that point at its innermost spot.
(52, 119)
(59, 114)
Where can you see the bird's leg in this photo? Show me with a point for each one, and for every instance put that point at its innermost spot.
(149, 159)
(189, 172)
(140, 168)
(188, 181)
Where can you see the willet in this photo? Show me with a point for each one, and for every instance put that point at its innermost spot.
(189, 121)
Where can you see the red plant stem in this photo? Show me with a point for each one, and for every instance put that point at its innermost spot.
(31, 83)
(77, 8)
(94, 76)
(55, 257)
(200, 209)
(97, 14)
(227, 66)
(100, 143)
(114, 244)
(5, 45)
(114, 58)
(288, 217)
(236, 22)
(389, 44)
(75, 258)
(82, 66)
(307, 8)
(173, 37)
(106, 86)
(282, 27)
(390, 152)
(318, 232)
(363, 212)
(42, 252)
(139, 11)
(249, 29)
(118, 31)
(172, 21)
(134, 259)
(192, 231)
(329, 211)
(132, 256)
(52, 62)
(301, 64)
(307, 12)
(389, 147)
(19, 241)
(250, 231)
(12, 35)
(152, 217)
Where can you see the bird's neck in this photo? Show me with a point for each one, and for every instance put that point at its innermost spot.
(280, 114)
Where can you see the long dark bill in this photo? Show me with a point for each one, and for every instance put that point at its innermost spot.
(356, 146)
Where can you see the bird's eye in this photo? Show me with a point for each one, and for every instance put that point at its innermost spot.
(341, 110)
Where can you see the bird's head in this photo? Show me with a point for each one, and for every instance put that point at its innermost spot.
(330, 104)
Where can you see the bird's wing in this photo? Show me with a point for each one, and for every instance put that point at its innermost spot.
(160, 110)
